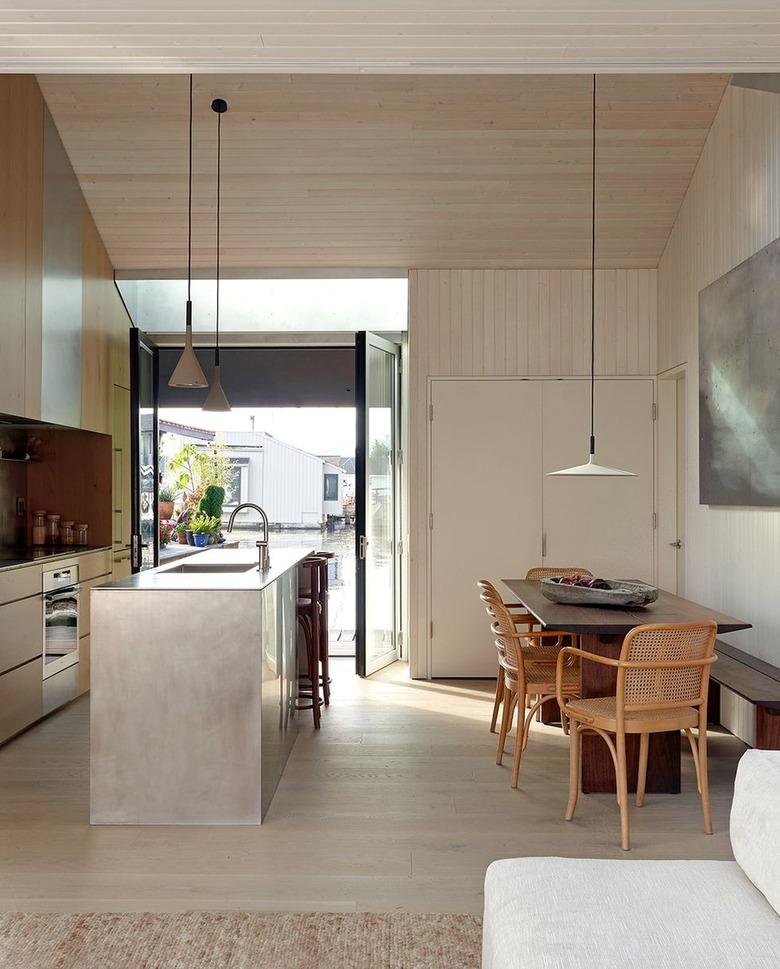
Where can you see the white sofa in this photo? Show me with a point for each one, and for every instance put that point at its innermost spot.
(565, 913)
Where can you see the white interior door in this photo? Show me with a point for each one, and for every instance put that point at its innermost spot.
(486, 491)
(604, 524)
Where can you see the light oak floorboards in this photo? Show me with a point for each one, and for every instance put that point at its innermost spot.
(396, 805)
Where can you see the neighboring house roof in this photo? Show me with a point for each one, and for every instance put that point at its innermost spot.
(346, 464)
(185, 430)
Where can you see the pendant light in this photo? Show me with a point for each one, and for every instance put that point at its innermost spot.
(188, 372)
(216, 399)
(590, 468)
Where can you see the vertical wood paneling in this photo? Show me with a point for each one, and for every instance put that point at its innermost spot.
(732, 209)
(535, 322)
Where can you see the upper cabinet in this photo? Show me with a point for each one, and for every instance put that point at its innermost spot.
(21, 243)
(64, 328)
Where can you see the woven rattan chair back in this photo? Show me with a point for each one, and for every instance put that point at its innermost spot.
(666, 682)
(544, 572)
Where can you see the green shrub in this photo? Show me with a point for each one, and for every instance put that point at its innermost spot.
(212, 501)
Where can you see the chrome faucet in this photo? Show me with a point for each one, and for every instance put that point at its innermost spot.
(264, 563)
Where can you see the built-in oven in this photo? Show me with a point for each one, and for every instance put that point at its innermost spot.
(60, 619)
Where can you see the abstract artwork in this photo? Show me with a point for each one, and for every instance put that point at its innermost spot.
(739, 384)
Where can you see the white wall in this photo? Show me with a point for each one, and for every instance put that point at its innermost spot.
(732, 209)
(484, 322)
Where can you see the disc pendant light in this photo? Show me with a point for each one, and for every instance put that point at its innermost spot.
(216, 399)
(188, 372)
(591, 469)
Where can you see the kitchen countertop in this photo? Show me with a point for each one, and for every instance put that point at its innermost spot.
(170, 578)
(18, 558)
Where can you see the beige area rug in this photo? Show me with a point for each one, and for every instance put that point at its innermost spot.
(239, 940)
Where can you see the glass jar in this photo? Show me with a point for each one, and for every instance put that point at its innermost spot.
(39, 528)
(67, 533)
(53, 529)
(81, 533)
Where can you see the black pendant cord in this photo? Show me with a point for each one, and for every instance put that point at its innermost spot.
(593, 283)
(219, 184)
(189, 216)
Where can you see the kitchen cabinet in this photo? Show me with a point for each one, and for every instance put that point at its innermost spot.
(64, 326)
(21, 630)
(121, 490)
(21, 187)
(21, 698)
(495, 513)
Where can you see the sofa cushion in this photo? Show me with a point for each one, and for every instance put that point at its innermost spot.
(755, 821)
(566, 913)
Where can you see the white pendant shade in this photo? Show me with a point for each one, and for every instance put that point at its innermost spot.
(216, 399)
(188, 372)
(592, 470)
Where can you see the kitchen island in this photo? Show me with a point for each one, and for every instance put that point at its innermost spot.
(194, 683)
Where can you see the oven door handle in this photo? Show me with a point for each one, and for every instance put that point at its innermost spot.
(71, 593)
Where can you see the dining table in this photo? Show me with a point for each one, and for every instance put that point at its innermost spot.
(601, 630)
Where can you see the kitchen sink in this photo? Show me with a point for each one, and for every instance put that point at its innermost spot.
(203, 568)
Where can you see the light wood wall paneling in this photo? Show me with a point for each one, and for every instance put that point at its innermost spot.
(731, 210)
(484, 322)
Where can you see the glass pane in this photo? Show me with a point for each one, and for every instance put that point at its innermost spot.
(148, 512)
(380, 508)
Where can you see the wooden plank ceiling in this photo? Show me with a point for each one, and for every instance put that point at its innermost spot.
(404, 36)
(386, 171)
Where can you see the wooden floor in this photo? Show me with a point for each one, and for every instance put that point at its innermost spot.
(396, 805)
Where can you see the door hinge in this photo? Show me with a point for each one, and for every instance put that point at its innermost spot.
(655, 411)
(400, 457)
(655, 520)
(400, 546)
(430, 521)
(430, 413)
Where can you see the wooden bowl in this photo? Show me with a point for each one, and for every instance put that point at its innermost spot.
(619, 593)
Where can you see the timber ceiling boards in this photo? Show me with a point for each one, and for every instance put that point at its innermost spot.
(401, 36)
(386, 171)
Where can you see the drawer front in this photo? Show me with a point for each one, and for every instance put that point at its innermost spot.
(93, 564)
(21, 632)
(21, 698)
(122, 566)
(20, 583)
(83, 664)
(60, 689)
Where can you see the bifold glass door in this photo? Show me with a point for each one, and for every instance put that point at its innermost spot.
(143, 452)
(376, 502)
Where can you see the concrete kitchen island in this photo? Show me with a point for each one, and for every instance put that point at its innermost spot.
(194, 682)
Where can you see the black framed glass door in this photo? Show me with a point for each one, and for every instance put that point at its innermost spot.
(144, 457)
(376, 502)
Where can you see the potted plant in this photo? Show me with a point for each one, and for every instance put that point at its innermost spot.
(180, 531)
(211, 504)
(203, 526)
(166, 498)
(166, 533)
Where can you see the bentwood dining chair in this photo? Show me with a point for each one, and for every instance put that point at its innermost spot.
(528, 667)
(520, 617)
(663, 673)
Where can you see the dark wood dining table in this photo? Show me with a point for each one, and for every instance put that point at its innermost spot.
(601, 630)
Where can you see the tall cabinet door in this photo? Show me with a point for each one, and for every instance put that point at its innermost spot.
(604, 524)
(486, 491)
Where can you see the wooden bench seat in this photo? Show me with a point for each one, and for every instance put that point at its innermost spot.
(756, 682)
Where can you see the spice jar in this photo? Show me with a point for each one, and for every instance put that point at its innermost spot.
(81, 534)
(53, 529)
(67, 534)
(39, 528)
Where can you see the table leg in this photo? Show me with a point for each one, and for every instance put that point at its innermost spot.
(598, 771)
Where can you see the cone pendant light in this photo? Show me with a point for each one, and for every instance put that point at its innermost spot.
(591, 468)
(216, 399)
(188, 372)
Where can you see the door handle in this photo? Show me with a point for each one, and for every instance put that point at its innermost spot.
(362, 546)
(676, 543)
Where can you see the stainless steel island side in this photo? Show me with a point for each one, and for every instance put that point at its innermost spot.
(194, 683)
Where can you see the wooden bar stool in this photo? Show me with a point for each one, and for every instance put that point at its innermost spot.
(309, 619)
(324, 627)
